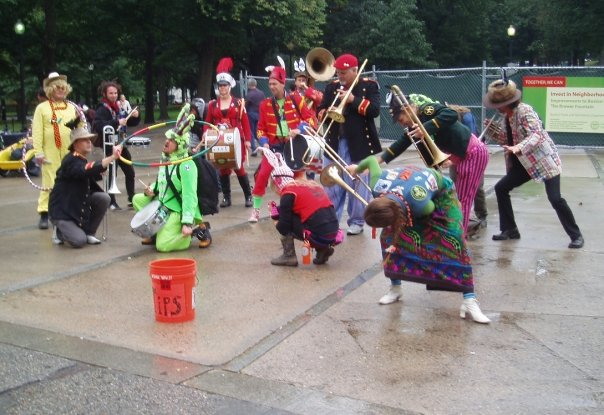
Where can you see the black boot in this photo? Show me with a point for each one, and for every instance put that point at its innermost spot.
(43, 224)
(244, 182)
(225, 183)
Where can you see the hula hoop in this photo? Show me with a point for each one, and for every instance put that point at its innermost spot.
(24, 169)
(165, 163)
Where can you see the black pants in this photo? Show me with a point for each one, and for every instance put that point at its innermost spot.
(517, 176)
(126, 168)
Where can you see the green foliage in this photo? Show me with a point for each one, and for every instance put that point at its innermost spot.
(387, 33)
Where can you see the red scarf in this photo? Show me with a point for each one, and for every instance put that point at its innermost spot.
(112, 105)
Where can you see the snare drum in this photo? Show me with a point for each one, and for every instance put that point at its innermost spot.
(307, 154)
(226, 154)
(150, 219)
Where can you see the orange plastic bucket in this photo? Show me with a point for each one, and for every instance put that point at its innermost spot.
(174, 282)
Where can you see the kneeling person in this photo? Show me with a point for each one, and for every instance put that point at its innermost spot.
(176, 190)
(77, 203)
(305, 212)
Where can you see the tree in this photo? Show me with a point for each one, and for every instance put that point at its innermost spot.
(387, 33)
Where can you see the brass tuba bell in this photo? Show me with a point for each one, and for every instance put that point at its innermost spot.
(320, 64)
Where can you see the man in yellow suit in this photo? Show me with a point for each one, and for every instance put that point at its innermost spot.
(51, 136)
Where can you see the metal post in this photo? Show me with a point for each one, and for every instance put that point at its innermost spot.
(483, 88)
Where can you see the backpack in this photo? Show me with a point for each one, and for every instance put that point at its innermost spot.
(207, 186)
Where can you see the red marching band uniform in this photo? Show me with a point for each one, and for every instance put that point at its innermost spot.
(295, 113)
(232, 115)
(235, 117)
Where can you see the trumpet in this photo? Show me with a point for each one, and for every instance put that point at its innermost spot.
(332, 174)
(428, 151)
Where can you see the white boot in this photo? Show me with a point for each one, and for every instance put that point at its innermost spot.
(470, 305)
(255, 216)
(393, 295)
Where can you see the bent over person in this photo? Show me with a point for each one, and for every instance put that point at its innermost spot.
(77, 203)
(423, 238)
(176, 190)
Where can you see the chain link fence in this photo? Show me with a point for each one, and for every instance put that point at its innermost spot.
(461, 86)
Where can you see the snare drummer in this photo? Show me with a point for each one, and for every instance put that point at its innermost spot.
(229, 112)
(176, 189)
(282, 116)
(77, 203)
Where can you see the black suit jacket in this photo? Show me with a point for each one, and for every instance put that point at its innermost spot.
(359, 126)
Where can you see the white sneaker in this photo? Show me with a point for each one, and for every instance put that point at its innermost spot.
(392, 296)
(354, 229)
(92, 240)
(255, 216)
(470, 305)
(55, 237)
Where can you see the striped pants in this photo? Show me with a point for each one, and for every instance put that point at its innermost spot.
(470, 171)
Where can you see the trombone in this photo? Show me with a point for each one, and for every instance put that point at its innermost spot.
(109, 140)
(428, 151)
(332, 174)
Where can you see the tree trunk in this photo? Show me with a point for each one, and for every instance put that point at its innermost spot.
(49, 45)
(205, 62)
(149, 80)
(163, 95)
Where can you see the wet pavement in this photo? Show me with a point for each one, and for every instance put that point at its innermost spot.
(78, 333)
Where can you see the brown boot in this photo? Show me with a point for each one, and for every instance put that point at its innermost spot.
(204, 235)
(323, 255)
(288, 258)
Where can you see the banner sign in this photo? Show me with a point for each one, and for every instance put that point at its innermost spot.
(566, 104)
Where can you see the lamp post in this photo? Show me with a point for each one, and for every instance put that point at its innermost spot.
(19, 30)
(511, 33)
(91, 70)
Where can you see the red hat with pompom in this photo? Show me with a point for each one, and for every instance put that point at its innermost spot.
(346, 61)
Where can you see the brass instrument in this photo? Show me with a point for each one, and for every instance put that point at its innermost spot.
(428, 151)
(319, 64)
(109, 140)
(332, 174)
(337, 114)
(331, 153)
(493, 131)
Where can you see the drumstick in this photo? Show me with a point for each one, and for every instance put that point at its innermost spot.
(143, 183)
(131, 112)
(247, 157)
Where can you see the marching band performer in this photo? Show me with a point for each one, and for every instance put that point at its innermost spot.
(282, 117)
(530, 153)
(108, 113)
(176, 189)
(304, 213)
(77, 202)
(229, 112)
(423, 239)
(305, 92)
(468, 153)
(51, 136)
(357, 137)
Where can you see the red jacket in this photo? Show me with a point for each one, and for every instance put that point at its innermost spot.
(236, 117)
(295, 114)
(312, 98)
